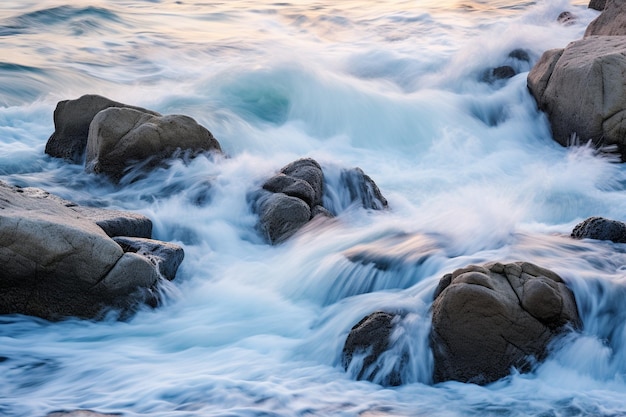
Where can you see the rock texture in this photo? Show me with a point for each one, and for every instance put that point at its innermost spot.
(488, 319)
(597, 4)
(611, 22)
(581, 87)
(368, 339)
(57, 262)
(167, 257)
(120, 137)
(71, 125)
(294, 196)
(601, 229)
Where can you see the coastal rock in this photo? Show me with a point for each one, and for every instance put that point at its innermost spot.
(294, 196)
(611, 22)
(516, 61)
(601, 229)
(597, 4)
(488, 319)
(71, 125)
(59, 263)
(566, 18)
(582, 91)
(119, 137)
(167, 257)
(367, 340)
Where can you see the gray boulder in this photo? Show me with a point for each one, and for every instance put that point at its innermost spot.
(601, 229)
(612, 20)
(59, 263)
(488, 319)
(281, 215)
(167, 257)
(71, 125)
(597, 4)
(120, 137)
(582, 91)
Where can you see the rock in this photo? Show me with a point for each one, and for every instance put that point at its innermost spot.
(488, 319)
(368, 339)
(520, 55)
(566, 18)
(59, 263)
(611, 22)
(117, 223)
(120, 137)
(363, 189)
(601, 229)
(582, 91)
(293, 187)
(281, 216)
(167, 257)
(310, 171)
(71, 125)
(597, 4)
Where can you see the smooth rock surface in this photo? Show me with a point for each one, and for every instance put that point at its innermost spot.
(488, 319)
(121, 137)
(612, 20)
(167, 257)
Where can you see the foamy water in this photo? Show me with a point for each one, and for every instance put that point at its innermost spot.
(395, 88)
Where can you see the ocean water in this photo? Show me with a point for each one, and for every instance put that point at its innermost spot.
(396, 88)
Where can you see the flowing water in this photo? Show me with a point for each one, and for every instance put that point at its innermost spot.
(394, 87)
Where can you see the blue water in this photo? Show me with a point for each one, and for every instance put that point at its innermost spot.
(393, 87)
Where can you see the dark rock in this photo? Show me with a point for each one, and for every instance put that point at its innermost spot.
(611, 22)
(167, 257)
(601, 229)
(293, 187)
(597, 4)
(363, 189)
(488, 319)
(308, 170)
(566, 18)
(71, 125)
(117, 223)
(520, 55)
(58, 263)
(121, 137)
(280, 215)
(369, 338)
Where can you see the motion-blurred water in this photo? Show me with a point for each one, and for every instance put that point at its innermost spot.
(396, 88)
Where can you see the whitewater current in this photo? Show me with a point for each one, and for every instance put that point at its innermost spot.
(400, 89)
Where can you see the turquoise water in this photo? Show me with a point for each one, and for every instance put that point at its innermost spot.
(393, 87)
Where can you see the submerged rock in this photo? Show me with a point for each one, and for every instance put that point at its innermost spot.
(367, 340)
(601, 229)
(120, 137)
(71, 125)
(488, 319)
(57, 262)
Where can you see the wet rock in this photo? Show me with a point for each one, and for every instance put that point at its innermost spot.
(363, 189)
(611, 22)
(309, 171)
(71, 125)
(566, 18)
(520, 55)
(601, 229)
(281, 216)
(488, 319)
(367, 340)
(597, 4)
(581, 89)
(56, 262)
(167, 257)
(121, 137)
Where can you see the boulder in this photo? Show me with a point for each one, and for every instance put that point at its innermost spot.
(611, 22)
(489, 319)
(59, 263)
(121, 137)
(566, 18)
(281, 215)
(362, 189)
(601, 229)
(71, 125)
(367, 340)
(597, 4)
(167, 257)
(582, 91)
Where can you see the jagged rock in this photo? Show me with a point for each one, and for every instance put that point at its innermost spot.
(601, 229)
(611, 22)
(582, 91)
(167, 257)
(368, 339)
(57, 262)
(120, 137)
(488, 319)
(71, 125)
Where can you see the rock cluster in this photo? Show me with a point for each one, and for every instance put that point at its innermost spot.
(59, 259)
(581, 87)
(114, 136)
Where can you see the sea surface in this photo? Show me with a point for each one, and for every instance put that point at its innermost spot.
(400, 89)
